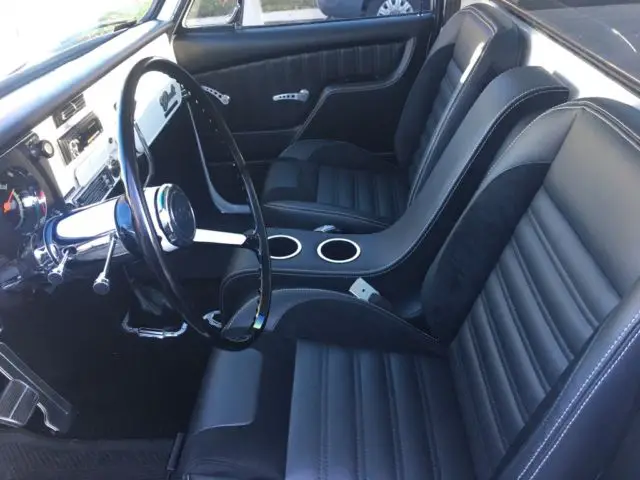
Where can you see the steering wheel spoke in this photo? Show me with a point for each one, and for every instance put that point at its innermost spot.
(220, 238)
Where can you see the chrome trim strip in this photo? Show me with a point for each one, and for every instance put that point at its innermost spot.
(221, 238)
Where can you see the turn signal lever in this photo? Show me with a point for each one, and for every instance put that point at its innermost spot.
(102, 284)
(56, 275)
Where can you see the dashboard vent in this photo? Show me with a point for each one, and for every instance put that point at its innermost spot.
(96, 191)
(63, 114)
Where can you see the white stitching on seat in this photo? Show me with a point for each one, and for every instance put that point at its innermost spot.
(459, 178)
(620, 127)
(345, 297)
(280, 206)
(347, 274)
(427, 227)
(627, 134)
(519, 99)
(441, 124)
(580, 391)
(570, 106)
(451, 104)
(480, 15)
(574, 105)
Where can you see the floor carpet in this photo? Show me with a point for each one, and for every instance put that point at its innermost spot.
(121, 386)
(25, 456)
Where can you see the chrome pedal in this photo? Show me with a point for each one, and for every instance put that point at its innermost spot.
(154, 333)
(26, 391)
(211, 318)
(17, 403)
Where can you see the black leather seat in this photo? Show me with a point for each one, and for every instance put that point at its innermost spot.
(527, 364)
(318, 182)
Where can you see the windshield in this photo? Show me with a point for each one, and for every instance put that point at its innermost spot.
(32, 31)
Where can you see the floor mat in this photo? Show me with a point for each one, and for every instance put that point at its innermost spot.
(24, 456)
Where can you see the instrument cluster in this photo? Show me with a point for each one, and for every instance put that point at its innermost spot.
(24, 203)
(27, 195)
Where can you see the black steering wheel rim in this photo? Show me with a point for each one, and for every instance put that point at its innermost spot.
(147, 241)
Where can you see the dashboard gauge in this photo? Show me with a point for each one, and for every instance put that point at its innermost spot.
(24, 204)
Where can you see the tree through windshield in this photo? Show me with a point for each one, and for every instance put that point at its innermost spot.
(32, 31)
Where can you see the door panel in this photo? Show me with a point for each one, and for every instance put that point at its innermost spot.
(252, 86)
(357, 73)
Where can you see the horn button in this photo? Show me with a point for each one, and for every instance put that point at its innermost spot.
(175, 215)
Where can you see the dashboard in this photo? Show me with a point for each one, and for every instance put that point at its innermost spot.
(70, 159)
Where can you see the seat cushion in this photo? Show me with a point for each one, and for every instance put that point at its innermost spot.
(374, 415)
(318, 182)
(367, 395)
(344, 413)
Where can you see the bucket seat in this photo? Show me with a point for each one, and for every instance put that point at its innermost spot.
(319, 182)
(526, 364)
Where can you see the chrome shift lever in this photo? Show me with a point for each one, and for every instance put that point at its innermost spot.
(102, 284)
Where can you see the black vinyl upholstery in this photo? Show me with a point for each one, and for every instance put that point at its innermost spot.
(564, 261)
(402, 252)
(393, 416)
(324, 181)
(527, 365)
(314, 70)
(317, 182)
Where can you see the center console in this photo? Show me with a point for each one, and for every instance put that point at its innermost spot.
(389, 260)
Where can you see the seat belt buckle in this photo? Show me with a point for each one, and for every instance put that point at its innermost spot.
(364, 291)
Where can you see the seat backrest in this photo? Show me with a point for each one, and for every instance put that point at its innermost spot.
(510, 102)
(478, 43)
(536, 288)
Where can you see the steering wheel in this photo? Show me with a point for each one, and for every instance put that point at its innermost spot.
(173, 224)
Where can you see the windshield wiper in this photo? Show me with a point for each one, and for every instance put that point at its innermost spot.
(17, 69)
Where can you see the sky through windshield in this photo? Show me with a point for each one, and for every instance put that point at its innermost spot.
(30, 30)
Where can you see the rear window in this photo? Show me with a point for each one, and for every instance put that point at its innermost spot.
(608, 29)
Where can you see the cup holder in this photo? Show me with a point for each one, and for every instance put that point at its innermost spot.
(339, 250)
(283, 247)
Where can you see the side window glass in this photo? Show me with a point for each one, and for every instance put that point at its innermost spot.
(205, 13)
(277, 12)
